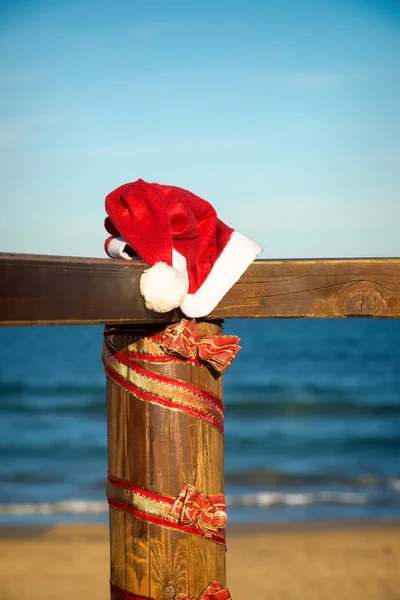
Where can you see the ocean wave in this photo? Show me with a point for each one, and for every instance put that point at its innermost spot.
(282, 443)
(49, 403)
(311, 388)
(66, 507)
(266, 499)
(57, 389)
(242, 400)
(395, 484)
(262, 499)
(52, 450)
(287, 407)
(264, 477)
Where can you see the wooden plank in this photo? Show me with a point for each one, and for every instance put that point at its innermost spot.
(45, 290)
(316, 288)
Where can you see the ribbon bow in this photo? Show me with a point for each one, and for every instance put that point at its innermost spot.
(190, 507)
(183, 339)
(215, 591)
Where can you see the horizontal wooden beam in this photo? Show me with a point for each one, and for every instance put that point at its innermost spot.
(54, 290)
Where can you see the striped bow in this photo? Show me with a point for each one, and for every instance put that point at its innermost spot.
(215, 591)
(182, 339)
(191, 508)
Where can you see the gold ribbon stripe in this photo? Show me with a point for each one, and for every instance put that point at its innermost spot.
(168, 391)
(157, 507)
(135, 500)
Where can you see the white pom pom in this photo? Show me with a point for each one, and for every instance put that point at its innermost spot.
(163, 287)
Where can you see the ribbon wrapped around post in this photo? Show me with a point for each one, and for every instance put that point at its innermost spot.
(190, 507)
(183, 340)
(171, 402)
(215, 591)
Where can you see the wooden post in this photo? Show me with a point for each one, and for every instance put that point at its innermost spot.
(158, 441)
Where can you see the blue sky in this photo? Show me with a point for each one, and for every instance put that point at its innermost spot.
(285, 115)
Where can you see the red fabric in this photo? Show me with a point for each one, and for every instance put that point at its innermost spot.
(129, 486)
(124, 358)
(203, 404)
(215, 591)
(211, 531)
(154, 219)
(209, 514)
(153, 399)
(110, 228)
(182, 339)
(219, 539)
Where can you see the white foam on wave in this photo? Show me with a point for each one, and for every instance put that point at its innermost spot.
(265, 499)
(259, 499)
(395, 484)
(68, 507)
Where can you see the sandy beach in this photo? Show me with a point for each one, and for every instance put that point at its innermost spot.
(307, 562)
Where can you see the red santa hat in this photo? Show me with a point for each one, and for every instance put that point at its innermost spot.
(194, 257)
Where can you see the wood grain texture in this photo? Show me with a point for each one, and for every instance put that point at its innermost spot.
(160, 450)
(316, 288)
(43, 290)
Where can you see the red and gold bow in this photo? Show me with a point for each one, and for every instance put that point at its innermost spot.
(191, 508)
(215, 591)
(183, 339)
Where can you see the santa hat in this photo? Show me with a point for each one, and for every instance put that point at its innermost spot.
(194, 257)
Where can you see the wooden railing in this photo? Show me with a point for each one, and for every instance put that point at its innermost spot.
(54, 290)
(149, 446)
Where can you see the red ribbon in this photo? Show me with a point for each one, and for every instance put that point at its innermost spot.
(183, 339)
(191, 508)
(215, 591)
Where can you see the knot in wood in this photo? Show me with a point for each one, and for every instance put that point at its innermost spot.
(360, 299)
(169, 592)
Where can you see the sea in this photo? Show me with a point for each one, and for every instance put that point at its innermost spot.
(312, 422)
